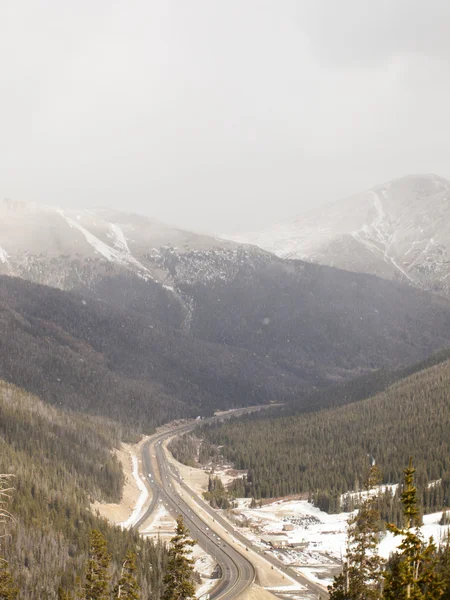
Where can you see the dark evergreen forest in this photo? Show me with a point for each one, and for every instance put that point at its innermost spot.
(327, 453)
(61, 462)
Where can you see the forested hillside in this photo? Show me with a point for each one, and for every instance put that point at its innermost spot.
(329, 451)
(89, 356)
(60, 462)
(355, 389)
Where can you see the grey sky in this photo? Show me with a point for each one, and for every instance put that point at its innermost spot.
(220, 115)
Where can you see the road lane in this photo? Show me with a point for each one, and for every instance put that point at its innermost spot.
(237, 570)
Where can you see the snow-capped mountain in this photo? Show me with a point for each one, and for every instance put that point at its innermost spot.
(67, 248)
(310, 322)
(398, 230)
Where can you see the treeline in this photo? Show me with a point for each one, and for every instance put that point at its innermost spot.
(184, 449)
(61, 462)
(217, 495)
(326, 453)
(191, 451)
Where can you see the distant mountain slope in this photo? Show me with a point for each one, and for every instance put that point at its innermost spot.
(87, 355)
(66, 248)
(184, 323)
(398, 230)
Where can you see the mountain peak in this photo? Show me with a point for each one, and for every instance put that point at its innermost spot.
(399, 229)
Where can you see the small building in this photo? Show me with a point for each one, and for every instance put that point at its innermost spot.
(275, 541)
(288, 527)
(300, 545)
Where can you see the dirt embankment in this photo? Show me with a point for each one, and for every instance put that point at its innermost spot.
(120, 512)
(255, 592)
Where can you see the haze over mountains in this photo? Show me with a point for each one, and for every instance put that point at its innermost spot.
(181, 322)
(398, 230)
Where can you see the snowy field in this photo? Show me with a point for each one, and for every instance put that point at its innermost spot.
(318, 538)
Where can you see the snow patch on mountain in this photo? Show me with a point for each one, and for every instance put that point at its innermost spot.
(120, 254)
(120, 240)
(3, 255)
(99, 246)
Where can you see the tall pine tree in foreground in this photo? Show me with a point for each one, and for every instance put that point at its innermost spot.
(361, 577)
(445, 568)
(127, 587)
(8, 589)
(97, 578)
(179, 577)
(413, 572)
(64, 594)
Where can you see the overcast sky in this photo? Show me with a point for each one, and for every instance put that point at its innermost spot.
(221, 115)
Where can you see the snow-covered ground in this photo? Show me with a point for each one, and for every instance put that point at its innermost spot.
(160, 525)
(318, 539)
(310, 526)
(430, 528)
(205, 565)
(358, 496)
(137, 510)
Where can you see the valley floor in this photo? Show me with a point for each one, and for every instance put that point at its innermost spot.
(315, 540)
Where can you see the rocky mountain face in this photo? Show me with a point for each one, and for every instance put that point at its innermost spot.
(398, 230)
(65, 248)
(179, 322)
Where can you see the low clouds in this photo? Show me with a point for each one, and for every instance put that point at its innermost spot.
(219, 115)
(363, 33)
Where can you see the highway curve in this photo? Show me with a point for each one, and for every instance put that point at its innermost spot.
(238, 573)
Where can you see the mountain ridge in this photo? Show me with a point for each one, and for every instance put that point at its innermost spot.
(184, 323)
(398, 230)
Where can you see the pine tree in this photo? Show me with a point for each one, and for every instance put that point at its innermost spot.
(64, 594)
(97, 578)
(179, 577)
(444, 567)
(361, 575)
(413, 573)
(127, 587)
(8, 590)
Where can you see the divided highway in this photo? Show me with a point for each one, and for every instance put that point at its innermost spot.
(237, 570)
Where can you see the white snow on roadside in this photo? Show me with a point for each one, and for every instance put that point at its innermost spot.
(203, 591)
(3, 255)
(204, 565)
(158, 521)
(317, 574)
(137, 511)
